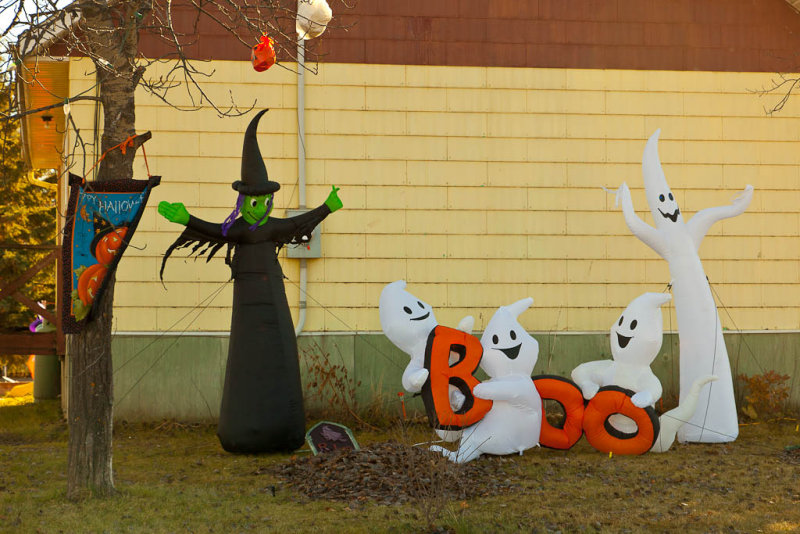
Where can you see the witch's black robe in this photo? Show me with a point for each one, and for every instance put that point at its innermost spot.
(262, 400)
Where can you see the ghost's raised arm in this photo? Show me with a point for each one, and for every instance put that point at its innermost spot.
(589, 376)
(466, 324)
(702, 221)
(646, 233)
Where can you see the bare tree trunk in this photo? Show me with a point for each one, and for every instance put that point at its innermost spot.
(89, 471)
(107, 32)
(91, 390)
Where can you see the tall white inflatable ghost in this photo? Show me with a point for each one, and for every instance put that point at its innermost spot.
(702, 347)
(407, 321)
(636, 338)
(514, 422)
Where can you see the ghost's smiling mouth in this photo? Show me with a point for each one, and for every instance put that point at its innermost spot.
(623, 340)
(671, 216)
(511, 352)
(421, 317)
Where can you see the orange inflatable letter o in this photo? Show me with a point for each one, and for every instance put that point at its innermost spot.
(611, 400)
(569, 396)
(441, 374)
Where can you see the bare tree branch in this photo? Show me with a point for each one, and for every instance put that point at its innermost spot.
(21, 114)
(785, 85)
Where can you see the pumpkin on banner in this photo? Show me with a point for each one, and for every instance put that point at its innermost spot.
(107, 247)
(89, 282)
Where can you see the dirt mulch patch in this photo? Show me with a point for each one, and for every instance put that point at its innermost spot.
(391, 473)
(792, 454)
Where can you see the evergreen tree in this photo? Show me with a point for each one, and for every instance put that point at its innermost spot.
(27, 217)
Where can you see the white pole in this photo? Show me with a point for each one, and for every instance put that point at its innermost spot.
(301, 171)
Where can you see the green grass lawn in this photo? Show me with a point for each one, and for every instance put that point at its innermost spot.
(177, 478)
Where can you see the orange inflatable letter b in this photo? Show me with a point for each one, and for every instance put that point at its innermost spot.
(441, 374)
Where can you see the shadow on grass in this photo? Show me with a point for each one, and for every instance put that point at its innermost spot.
(175, 477)
(24, 421)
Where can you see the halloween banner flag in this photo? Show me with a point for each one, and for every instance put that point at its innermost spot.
(101, 220)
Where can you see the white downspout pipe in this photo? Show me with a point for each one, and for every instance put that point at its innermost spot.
(301, 171)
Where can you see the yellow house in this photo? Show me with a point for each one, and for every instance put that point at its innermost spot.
(478, 146)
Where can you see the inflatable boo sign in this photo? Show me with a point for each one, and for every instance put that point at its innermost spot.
(443, 341)
(591, 417)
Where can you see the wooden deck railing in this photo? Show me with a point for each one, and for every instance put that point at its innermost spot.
(28, 342)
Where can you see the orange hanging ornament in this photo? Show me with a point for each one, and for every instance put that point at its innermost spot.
(263, 55)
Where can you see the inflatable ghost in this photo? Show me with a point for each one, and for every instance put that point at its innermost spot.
(514, 421)
(408, 321)
(636, 338)
(702, 347)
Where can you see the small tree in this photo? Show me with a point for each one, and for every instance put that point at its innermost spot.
(108, 32)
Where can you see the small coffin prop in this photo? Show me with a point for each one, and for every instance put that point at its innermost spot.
(326, 437)
(263, 55)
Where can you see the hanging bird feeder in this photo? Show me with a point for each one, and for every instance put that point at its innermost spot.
(263, 56)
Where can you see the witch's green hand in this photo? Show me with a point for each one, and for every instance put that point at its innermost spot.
(174, 212)
(333, 202)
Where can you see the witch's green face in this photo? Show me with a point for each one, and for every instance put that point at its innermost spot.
(255, 208)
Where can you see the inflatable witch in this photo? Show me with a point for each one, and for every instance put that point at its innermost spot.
(702, 346)
(262, 400)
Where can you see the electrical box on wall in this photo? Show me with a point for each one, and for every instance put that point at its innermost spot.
(311, 248)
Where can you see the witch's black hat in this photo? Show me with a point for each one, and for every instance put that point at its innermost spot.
(255, 180)
(102, 227)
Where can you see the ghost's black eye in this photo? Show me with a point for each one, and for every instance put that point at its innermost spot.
(621, 317)
(661, 198)
(407, 310)
(495, 339)
(633, 324)
(513, 335)
(253, 202)
(670, 197)
(421, 305)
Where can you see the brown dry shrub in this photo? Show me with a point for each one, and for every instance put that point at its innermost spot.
(765, 394)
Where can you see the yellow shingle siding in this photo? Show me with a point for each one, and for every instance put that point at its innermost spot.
(479, 186)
